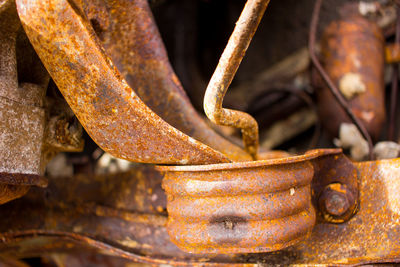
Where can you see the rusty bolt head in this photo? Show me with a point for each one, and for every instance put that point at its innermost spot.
(336, 200)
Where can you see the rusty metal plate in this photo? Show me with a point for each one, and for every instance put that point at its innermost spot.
(110, 111)
(131, 39)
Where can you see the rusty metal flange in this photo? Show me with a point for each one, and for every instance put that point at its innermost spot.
(245, 207)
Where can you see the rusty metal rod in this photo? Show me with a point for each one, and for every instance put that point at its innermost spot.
(331, 85)
(395, 83)
(228, 64)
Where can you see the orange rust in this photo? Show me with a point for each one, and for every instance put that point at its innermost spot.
(371, 236)
(228, 64)
(244, 207)
(9, 192)
(110, 111)
(352, 53)
(130, 37)
(392, 53)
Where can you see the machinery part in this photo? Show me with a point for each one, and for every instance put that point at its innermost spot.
(336, 200)
(130, 37)
(110, 111)
(354, 46)
(21, 113)
(334, 93)
(11, 192)
(228, 64)
(247, 207)
(335, 175)
(371, 236)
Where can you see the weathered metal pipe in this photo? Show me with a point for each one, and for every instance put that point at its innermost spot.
(352, 53)
(228, 64)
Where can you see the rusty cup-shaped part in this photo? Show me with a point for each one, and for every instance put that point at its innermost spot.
(245, 207)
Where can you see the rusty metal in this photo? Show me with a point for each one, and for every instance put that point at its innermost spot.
(21, 112)
(110, 111)
(247, 207)
(228, 64)
(336, 200)
(330, 171)
(131, 39)
(317, 208)
(54, 223)
(350, 46)
(392, 53)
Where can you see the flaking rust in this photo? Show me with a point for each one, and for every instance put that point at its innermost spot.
(110, 111)
(247, 207)
(131, 39)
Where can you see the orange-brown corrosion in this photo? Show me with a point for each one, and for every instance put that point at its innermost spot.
(370, 236)
(392, 53)
(352, 53)
(130, 37)
(228, 64)
(111, 112)
(244, 207)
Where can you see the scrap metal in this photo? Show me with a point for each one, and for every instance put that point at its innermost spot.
(109, 110)
(222, 208)
(370, 236)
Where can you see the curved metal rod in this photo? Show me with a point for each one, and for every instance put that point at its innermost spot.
(331, 85)
(228, 64)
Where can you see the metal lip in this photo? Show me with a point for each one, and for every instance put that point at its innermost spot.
(311, 154)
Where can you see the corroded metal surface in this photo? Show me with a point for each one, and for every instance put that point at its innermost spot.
(335, 176)
(51, 222)
(22, 114)
(228, 64)
(110, 111)
(130, 37)
(352, 53)
(392, 53)
(244, 207)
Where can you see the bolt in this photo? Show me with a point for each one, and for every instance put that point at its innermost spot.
(336, 199)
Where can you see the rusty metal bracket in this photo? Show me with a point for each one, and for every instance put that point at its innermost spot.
(110, 111)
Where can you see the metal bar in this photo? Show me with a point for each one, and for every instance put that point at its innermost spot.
(228, 64)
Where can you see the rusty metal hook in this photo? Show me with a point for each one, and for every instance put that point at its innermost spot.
(228, 64)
